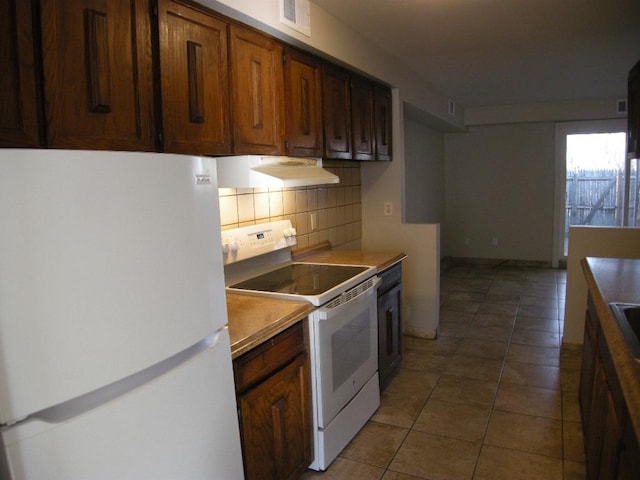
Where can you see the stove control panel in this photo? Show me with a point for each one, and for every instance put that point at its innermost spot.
(248, 242)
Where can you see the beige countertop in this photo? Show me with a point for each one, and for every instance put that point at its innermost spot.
(617, 280)
(253, 319)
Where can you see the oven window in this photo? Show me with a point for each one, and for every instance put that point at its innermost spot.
(351, 348)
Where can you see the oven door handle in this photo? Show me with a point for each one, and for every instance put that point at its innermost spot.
(328, 312)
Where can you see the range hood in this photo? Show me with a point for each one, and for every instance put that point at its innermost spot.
(245, 171)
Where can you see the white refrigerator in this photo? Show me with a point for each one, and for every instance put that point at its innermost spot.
(115, 360)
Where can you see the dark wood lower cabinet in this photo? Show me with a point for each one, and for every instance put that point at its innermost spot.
(611, 448)
(389, 323)
(274, 407)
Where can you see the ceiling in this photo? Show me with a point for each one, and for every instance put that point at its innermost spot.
(501, 52)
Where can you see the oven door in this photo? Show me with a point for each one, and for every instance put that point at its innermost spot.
(344, 342)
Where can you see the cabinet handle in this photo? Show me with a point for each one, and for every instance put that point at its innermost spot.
(389, 331)
(196, 83)
(96, 37)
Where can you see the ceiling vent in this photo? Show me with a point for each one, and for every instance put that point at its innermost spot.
(297, 15)
(621, 106)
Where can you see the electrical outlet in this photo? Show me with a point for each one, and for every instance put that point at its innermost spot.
(388, 208)
(313, 220)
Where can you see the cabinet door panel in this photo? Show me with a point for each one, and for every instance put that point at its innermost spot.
(19, 125)
(362, 119)
(336, 105)
(275, 424)
(257, 90)
(98, 74)
(389, 332)
(383, 130)
(303, 96)
(194, 80)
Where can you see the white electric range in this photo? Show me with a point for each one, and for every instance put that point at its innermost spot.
(343, 329)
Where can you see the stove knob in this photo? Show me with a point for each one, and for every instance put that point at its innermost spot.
(289, 232)
(225, 245)
(235, 245)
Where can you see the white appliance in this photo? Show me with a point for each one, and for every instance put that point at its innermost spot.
(343, 329)
(115, 360)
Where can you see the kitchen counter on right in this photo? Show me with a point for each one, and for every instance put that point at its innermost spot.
(610, 379)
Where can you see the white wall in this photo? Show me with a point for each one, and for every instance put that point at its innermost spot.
(424, 172)
(500, 183)
(614, 242)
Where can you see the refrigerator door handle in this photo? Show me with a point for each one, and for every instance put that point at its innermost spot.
(65, 411)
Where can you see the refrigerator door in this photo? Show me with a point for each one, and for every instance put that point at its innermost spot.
(109, 263)
(169, 429)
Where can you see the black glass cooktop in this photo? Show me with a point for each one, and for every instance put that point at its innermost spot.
(301, 279)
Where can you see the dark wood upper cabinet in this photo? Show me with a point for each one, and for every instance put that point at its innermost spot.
(382, 119)
(257, 106)
(362, 119)
(336, 110)
(633, 113)
(19, 125)
(98, 80)
(303, 104)
(194, 80)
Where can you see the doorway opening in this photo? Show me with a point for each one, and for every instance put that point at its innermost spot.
(593, 179)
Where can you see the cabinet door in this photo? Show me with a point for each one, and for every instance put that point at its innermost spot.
(336, 109)
(97, 70)
(382, 118)
(362, 119)
(633, 114)
(303, 97)
(389, 332)
(587, 372)
(257, 106)
(276, 424)
(194, 80)
(19, 125)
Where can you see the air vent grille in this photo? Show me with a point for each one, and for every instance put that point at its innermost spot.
(297, 15)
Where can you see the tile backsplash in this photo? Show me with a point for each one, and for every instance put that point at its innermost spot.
(318, 213)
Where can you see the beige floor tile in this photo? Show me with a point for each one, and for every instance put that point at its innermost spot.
(436, 457)
(533, 375)
(375, 444)
(537, 338)
(496, 297)
(389, 475)
(395, 410)
(451, 388)
(483, 348)
(423, 361)
(459, 306)
(540, 402)
(466, 422)
(536, 355)
(343, 469)
(498, 308)
(473, 367)
(541, 311)
(534, 323)
(497, 463)
(440, 346)
(495, 319)
(573, 441)
(570, 406)
(539, 435)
